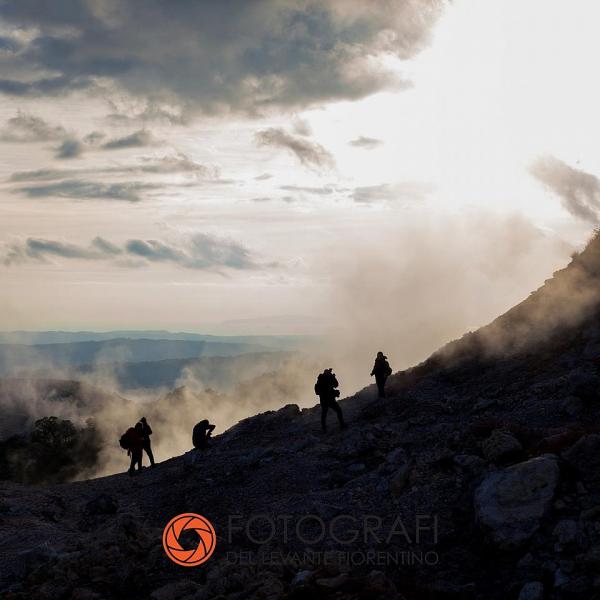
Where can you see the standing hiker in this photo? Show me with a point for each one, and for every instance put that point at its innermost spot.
(326, 389)
(133, 442)
(146, 444)
(381, 370)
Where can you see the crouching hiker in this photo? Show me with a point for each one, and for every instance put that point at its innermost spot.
(201, 434)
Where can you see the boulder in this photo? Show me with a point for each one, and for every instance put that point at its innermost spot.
(303, 578)
(566, 531)
(534, 590)
(399, 479)
(510, 502)
(102, 504)
(501, 445)
(584, 457)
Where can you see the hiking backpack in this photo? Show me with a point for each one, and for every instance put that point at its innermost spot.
(125, 441)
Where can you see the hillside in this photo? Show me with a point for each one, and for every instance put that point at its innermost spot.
(487, 452)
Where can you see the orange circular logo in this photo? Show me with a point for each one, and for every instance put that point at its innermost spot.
(204, 545)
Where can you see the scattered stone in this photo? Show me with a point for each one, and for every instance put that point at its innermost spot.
(534, 590)
(357, 468)
(591, 514)
(584, 457)
(102, 505)
(501, 445)
(176, 590)
(399, 480)
(377, 583)
(333, 583)
(303, 578)
(566, 531)
(484, 404)
(510, 502)
(469, 463)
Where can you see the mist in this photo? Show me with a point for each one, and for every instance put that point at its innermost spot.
(406, 292)
(412, 289)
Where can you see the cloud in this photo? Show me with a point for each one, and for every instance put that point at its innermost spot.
(578, 190)
(199, 251)
(173, 163)
(134, 140)
(75, 188)
(365, 142)
(220, 55)
(319, 191)
(26, 127)
(301, 126)
(387, 192)
(70, 148)
(263, 177)
(310, 154)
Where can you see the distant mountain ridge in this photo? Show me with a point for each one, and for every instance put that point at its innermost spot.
(62, 337)
(217, 372)
(16, 357)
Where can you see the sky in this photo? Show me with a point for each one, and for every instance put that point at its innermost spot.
(402, 170)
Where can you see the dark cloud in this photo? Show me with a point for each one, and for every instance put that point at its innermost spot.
(177, 163)
(46, 86)
(365, 142)
(310, 154)
(199, 251)
(39, 249)
(214, 55)
(43, 174)
(286, 199)
(25, 127)
(387, 192)
(319, 191)
(70, 148)
(134, 140)
(75, 188)
(578, 190)
(94, 137)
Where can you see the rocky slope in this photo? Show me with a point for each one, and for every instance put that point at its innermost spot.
(480, 474)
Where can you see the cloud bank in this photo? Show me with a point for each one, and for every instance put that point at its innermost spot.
(212, 56)
(199, 252)
(578, 190)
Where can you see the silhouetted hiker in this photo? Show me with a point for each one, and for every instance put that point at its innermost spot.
(381, 370)
(146, 433)
(132, 440)
(325, 388)
(201, 434)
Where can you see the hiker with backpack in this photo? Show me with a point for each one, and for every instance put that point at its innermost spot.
(201, 434)
(325, 388)
(132, 441)
(146, 433)
(381, 370)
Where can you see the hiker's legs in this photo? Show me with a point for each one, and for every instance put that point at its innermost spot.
(324, 409)
(380, 386)
(148, 449)
(132, 463)
(136, 459)
(338, 410)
